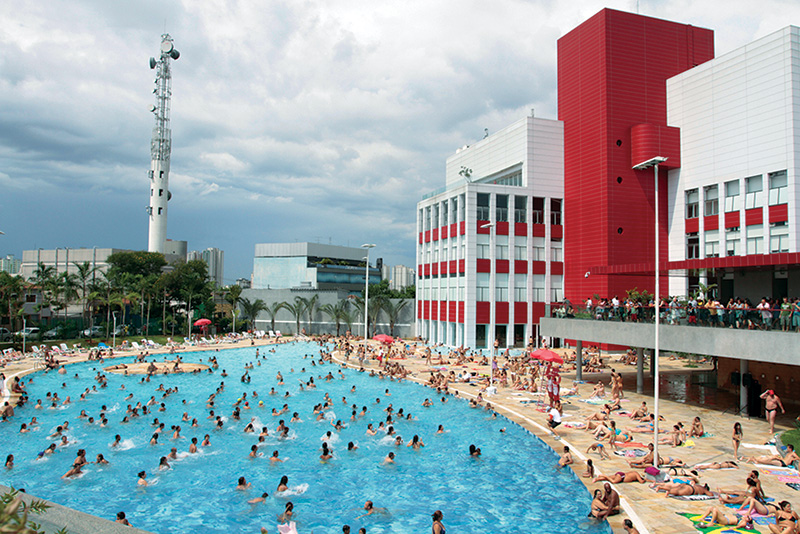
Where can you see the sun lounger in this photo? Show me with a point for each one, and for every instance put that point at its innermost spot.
(272, 334)
(278, 333)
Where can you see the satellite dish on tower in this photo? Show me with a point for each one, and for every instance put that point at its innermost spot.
(152, 62)
(174, 54)
(166, 47)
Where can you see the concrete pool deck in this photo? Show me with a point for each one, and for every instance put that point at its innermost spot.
(649, 511)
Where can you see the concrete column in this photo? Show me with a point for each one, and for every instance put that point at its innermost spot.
(639, 370)
(579, 360)
(743, 369)
(652, 362)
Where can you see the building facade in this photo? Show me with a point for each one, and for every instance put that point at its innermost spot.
(10, 264)
(64, 259)
(490, 242)
(733, 203)
(215, 259)
(399, 276)
(311, 266)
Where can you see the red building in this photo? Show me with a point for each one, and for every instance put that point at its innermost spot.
(612, 99)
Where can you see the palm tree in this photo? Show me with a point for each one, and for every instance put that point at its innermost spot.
(376, 304)
(311, 306)
(43, 278)
(251, 310)
(234, 296)
(296, 309)
(12, 289)
(272, 310)
(392, 312)
(68, 285)
(336, 312)
(85, 273)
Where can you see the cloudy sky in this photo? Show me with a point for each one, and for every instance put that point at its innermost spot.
(293, 120)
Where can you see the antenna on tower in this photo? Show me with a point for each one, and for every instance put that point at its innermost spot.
(160, 145)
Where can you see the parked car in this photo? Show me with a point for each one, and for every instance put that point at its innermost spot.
(93, 331)
(5, 334)
(30, 331)
(55, 333)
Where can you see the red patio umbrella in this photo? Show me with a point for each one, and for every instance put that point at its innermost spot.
(547, 355)
(202, 322)
(383, 338)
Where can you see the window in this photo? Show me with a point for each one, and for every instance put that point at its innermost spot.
(556, 247)
(712, 243)
(732, 202)
(556, 288)
(755, 239)
(159, 210)
(427, 218)
(436, 253)
(483, 252)
(537, 215)
(445, 248)
(482, 287)
(520, 287)
(555, 211)
(454, 210)
(501, 208)
(777, 188)
(445, 205)
(443, 288)
(435, 216)
(711, 197)
(520, 209)
(501, 287)
(434, 290)
(463, 249)
(754, 192)
(461, 286)
(483, 207)
(692, 200)
(502, 247)
(538, 249)
(453, 290)
(732, 241)
(462, 207)
(538, 288)
(692, 247)
(454, 249)
(30, 297)
(778, 237)
(520, 247)
(509, 179)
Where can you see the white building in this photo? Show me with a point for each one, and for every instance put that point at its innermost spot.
(734, 200)
(490, 243)
(10, 264)
(399, 276)
(215, 259)
(64, 259)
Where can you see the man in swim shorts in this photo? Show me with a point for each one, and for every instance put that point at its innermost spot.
(773, 402)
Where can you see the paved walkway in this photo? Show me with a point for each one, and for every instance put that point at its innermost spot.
(649, 511)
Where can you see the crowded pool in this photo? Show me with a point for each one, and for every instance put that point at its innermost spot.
(514, 486)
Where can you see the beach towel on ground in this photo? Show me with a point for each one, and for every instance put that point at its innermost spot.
(629, 444)
(578, 425)
(713, 529)
(775, 470)
(593, 400)
(632, 453)
(794, 485)
(789, 479)
(693, 497)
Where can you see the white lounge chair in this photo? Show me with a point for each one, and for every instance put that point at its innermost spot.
(135, 345)
(278, 333)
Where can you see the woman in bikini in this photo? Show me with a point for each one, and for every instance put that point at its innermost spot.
(785, 519)
(620, 477)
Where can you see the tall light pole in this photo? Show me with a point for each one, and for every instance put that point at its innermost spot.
(114, 332)
(653, 162)
(366, 293)
(492, 252)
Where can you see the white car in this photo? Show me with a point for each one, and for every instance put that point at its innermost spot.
(5, 334)
(93, 331)
(30, 331)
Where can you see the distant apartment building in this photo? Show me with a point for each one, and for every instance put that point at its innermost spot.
(10, 264)
(490, 242)
(399, 276)
(244, 283)
(311, 266)
(215, 259)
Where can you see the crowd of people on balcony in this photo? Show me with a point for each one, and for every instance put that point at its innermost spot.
(768, 314)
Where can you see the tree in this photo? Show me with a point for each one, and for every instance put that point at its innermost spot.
(375, 305)
(272, 311)
(296, 309)
(233, 296)
(15, 514)
(311, 306)
(188, 282)
(85, 273)
(336, 312)
(12, 293)
(44, 279)
(138, 263)
(392, 312)
(251, 310)
(68, 285)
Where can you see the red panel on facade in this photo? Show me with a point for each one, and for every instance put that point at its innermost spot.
(453, 230)
(435, 269)
(427, 236)
(520, 266)
(502, 228)
(481, 228)
(419, 309)
(537, 312)
(779, 213)
(451, 312)
(710, 222)
(453, 266)
(692, 226)
(420, 238)
(434, 309)
(461, 312)
(481, 313)
(435, 234)
(754, 216)
(557, 231)
(520, 229)
(649, 140)
(427, 268)
(556, 267)
(612, 71)
(462, 227)
(538, 230)
(539, 267)
(520, 312)
(501, 266)
(442, 311)
(501, 313)
(483, 265)
(461, 266)
(443, 268)
(426, 309)
(732, 219)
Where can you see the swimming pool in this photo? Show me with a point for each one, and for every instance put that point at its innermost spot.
(513, 487)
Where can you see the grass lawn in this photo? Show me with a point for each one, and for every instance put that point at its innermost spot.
(792, 437)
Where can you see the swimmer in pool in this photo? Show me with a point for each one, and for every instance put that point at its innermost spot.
(372, 509)
(287, 514)
(259, 499)
(416, 443)
(101, 460)
(274, 458)
(243, 484)
(74, 471)
(254, 452)
(389, 459)
(206, 441)
(283, 484)
(142, 479)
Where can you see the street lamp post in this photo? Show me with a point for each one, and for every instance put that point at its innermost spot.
(366, 293)
(492, 283)
(114, 333)
(653, 162)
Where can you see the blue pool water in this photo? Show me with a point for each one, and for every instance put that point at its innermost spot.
(513, 487)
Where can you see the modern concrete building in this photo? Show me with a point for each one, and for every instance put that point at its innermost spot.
(215, 259)
(490, 242)
(10, 264)
(175, 251)
(64, 259)
(311, 266)
(399, 276)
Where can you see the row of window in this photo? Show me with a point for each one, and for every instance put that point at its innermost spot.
(754, 241)
(753, 197)
(507, 208)
(448, 249)
(431, 289)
